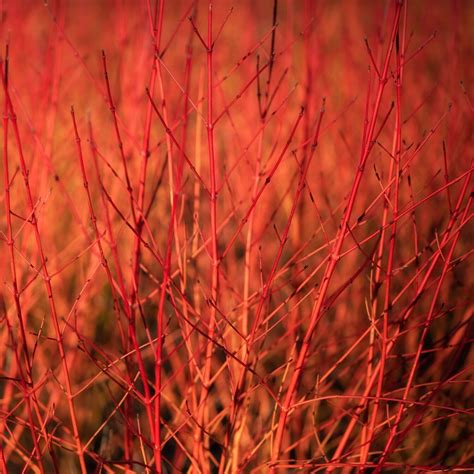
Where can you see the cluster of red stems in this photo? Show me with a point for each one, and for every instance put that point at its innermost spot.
(246, 246)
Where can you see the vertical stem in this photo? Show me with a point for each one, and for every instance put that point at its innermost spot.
(157, 26)
(203, 412)
(396, 153)
(48, 285)
(25, 380)
(335, 253)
